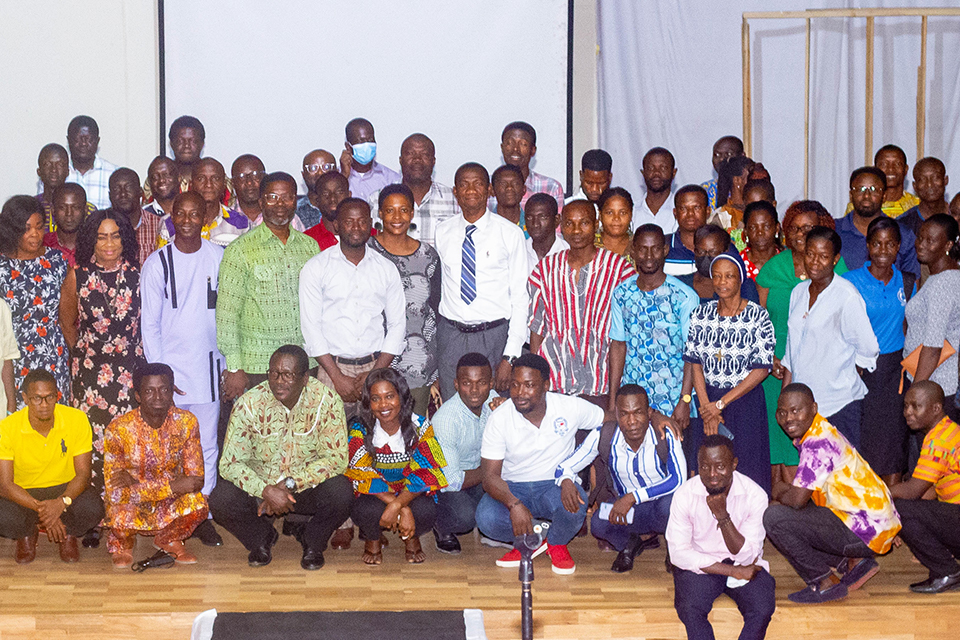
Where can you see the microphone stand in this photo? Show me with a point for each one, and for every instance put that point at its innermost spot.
(526, 545)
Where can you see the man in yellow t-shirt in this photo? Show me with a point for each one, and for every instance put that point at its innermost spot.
(931, 528)
(45, 454)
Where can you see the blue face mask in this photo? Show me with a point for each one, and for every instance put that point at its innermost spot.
(364, 152)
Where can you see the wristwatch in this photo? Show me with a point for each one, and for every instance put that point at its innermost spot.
(687, 398)
(67, 501)
(511, 359)
(720, 404)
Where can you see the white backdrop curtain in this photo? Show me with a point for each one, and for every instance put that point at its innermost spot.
(670, 75)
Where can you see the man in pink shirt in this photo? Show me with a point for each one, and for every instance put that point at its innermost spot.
(715, 540)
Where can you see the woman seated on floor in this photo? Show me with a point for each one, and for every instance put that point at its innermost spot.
(395, 465)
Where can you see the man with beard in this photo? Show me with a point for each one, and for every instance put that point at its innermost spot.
(518, 144)
(70, 207)
(570, 293)
(595, 175)
(867, 186)
(891, 160)
(247, 172)
(432, 202)
(315, 164)
(330, 189)
(525, 440)
(715, 538)
(221, 225)
(837, 513)
(659, 170)
(352, 307)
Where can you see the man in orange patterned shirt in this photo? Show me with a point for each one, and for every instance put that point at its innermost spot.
(153, 471)
(931, 528)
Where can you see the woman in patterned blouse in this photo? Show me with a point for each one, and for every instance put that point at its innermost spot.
(730, 345)
(395, 465)
(32, 281)
(103, 298)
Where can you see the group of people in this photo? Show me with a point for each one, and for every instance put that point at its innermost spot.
(489, 355)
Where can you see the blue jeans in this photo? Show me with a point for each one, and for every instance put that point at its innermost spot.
(542, 498)
(648, 517)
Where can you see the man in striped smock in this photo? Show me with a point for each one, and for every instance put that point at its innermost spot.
(570, 293)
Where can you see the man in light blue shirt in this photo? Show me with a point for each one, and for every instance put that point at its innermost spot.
(458, 426)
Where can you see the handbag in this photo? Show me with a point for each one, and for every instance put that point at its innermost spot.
(909, 364)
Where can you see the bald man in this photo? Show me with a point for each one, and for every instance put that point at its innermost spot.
(221, 225)
(433, 202)
(931, 528)
(315, 164)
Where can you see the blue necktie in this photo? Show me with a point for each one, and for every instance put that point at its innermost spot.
(468, 270)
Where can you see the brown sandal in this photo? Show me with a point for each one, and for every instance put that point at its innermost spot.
(413, 551)
(372, 554)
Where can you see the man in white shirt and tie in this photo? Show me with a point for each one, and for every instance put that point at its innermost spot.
(483, 301)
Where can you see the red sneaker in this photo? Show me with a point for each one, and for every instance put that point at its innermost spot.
(512, 558)
(560, 557)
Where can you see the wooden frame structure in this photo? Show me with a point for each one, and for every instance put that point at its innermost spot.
(869, 15)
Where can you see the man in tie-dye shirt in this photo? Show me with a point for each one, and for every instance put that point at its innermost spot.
(836, 513)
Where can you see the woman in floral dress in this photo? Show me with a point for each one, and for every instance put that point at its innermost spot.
(104, 297)
(32, 278)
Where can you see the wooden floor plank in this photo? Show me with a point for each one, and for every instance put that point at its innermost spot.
(49, 599)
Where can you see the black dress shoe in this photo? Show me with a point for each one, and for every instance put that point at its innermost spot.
(91, 539)
(937, 585)
(624, 559)
(312, 559)
(261, 556)
(207, 534)
(447, 543)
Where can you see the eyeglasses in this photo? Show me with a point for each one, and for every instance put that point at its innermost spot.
(805, 229)
(325, 167)
(867, 189)
(285, 376)
(274, 198)
(250, 175)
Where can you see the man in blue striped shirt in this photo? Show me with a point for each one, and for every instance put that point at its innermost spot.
(638, 469)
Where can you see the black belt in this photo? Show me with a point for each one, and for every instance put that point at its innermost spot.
(475, 328)
(357, 361)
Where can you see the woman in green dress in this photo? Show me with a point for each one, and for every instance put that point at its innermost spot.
(776, 280)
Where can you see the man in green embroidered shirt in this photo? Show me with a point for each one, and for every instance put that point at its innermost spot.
(258, 303)
(285, 452)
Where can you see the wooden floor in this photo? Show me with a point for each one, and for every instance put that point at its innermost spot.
(51, 600)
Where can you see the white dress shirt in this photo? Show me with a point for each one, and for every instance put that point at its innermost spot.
(343, 305)
(502, 271)
(693, 538)
(826, 343)
(559, 244)
(530, 453)
(663, 218)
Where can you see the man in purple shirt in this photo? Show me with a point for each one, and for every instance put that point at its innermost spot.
(358, 160)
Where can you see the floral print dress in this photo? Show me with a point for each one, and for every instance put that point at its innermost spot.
(31, 288)
(108, 349)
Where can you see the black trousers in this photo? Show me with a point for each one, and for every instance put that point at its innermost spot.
(932, 531)
(457, 510)
(368, 509)
(695, 593)
(328, 503)
(813, 539)
(81, 516)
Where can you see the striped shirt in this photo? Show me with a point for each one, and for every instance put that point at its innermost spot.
(572, 313)
(939, 461)
(640, 472)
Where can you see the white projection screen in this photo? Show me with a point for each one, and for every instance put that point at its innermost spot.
(278, 79)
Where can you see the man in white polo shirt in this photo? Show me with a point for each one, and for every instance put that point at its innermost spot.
(524, 441)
